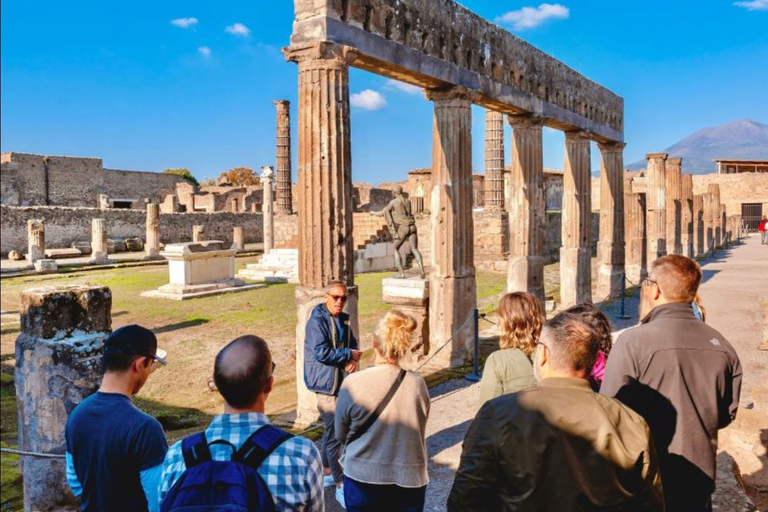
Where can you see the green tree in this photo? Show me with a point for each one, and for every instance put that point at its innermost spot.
(184, 173)
(241, 177)
(208, 182)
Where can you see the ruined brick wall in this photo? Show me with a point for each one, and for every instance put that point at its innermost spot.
(736, 189)
(286, 229)
(64, 225)
(139, 184)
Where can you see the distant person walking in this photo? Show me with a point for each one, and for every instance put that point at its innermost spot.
(762, 228)
(509, 369)
(682, 376)
(114, 450)
(381, 416)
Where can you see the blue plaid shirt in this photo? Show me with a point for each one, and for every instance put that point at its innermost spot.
(293, 472)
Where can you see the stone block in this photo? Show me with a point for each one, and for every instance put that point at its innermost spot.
(58, 254)
(82, 246)
(115, 246)
(134, 244)
(46, 266)
(57, 312)
(15, 255)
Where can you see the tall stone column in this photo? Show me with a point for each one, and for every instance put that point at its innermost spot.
(325, 191)
(527, 207)
(686, 202)
(610, 247)
(674, 168)
(634, 222)
(58, 364)
(575, 253)
(715, 213)
(198, 233)
(452, 290)
(709, 222)
(35, 240)
(494, 160)
(99, 241)
(152, 247)
(284, 197)
(267, 210)
(699, 232)
(656, 204)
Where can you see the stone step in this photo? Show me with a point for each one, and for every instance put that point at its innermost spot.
(280, 257)
(257, 267)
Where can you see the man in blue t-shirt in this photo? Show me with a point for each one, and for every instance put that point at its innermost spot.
(115, 451)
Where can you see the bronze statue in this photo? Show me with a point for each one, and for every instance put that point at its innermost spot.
(402, 227)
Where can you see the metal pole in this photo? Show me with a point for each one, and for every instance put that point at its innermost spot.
(475, 375)
(623, 314)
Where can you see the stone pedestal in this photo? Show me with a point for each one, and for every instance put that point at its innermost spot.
(494, 160)
(610, 247)
(284, 194)
(238, 238)
(267, 211)
(58, 364)
(35, 240)
(656, 206)
(46, 266)
(411, 296)
(198, 233)
(152, 246)
(99, 241)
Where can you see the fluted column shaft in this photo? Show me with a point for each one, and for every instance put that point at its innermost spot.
(35, 240)
(686, 202)
(634, 222)
(674, 168)
(267, 213)
(527, 208)
(283, 160)
(610, 247)
(575, 253)
(699, 230)
(494, 160)
(709, 221)
(452, 294)
(152, 245)
(98, 240)
(656, 204)
(715, 213)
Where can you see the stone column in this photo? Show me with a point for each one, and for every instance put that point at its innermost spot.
(715, 214)
(527, 207)
(58, 364)
(325, 191)
(709, 222)
(268, 216)
(494, 160)
(575, 253)
(656, 204)
(284, 199)
(452, 278)
(152, 247)
(35, 240)
(238, 238)
(198, 233)
(634, 222)
(686, 228)
(99, 249)
(610, 248)
(699, 237)
(674, 168)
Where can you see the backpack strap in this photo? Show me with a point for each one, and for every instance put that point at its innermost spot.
(195, 449)
(260, 444)
(382, 405)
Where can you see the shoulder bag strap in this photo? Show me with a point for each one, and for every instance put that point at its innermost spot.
(375, 415)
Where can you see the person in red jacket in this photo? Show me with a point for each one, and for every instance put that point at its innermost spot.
(762, 228)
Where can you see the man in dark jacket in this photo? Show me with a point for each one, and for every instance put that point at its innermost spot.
(559, 446)
(682, 376)
(330, 352)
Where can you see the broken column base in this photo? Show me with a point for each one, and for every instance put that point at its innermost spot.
(46, 266)
(192, 291)
(411, 296)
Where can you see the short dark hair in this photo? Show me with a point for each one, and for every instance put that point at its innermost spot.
(123, 345)
(118, 362)
(572, 343)
(678, 277)
(242, 369)
(598, 321)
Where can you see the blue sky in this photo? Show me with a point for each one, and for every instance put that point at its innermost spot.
(151, 85)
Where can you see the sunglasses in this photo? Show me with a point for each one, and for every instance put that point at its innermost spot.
(337, 298)
(648, 280)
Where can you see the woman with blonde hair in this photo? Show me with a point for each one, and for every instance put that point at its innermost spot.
(509, 369)
(381, 416)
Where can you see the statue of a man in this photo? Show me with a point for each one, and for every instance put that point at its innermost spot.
(402, 227)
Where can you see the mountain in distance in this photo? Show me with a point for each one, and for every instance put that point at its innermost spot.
(738, 140)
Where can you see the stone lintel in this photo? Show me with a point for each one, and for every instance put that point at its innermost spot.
(320, 51)
(526, 120)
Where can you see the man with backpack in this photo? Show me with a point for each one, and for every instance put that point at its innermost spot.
(241, 459)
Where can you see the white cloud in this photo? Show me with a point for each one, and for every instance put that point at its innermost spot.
(402, 87)
(755, 5)
(204, 51)
(530, 17)
(185, 22)
(238, 29)
(368, 100)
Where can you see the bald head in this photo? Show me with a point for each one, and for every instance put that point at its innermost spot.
(242, 370)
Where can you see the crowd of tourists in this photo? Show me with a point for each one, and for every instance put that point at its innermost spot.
(568, 420)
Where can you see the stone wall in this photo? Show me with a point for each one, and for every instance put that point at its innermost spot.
(286, 228)
(736, 189)
(66, 225)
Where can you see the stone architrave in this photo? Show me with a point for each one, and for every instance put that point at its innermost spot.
(152, 247)
(58, 364)
(267, 210)
(325, 191)
(494, 160)
(575, 253)
(283, 188)
(198, 233)
(35, 240)
(686, 202)
(238, 238)
(634, 222)
(674, 167)
(610, 247)
(656, 205)
(527, 207)
(99, 241)
(452, 278)
(411, 296)
(699, 231)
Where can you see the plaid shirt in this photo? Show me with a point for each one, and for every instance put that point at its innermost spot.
(293, 472)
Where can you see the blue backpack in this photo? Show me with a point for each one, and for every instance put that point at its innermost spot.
(232, 485)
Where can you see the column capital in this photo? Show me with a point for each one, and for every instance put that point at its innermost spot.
(675, 161)
(452, 93)
(656, 156)
(282, 103)
(611, 147)
(321, 52)
(578, 135)
(526, 120)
